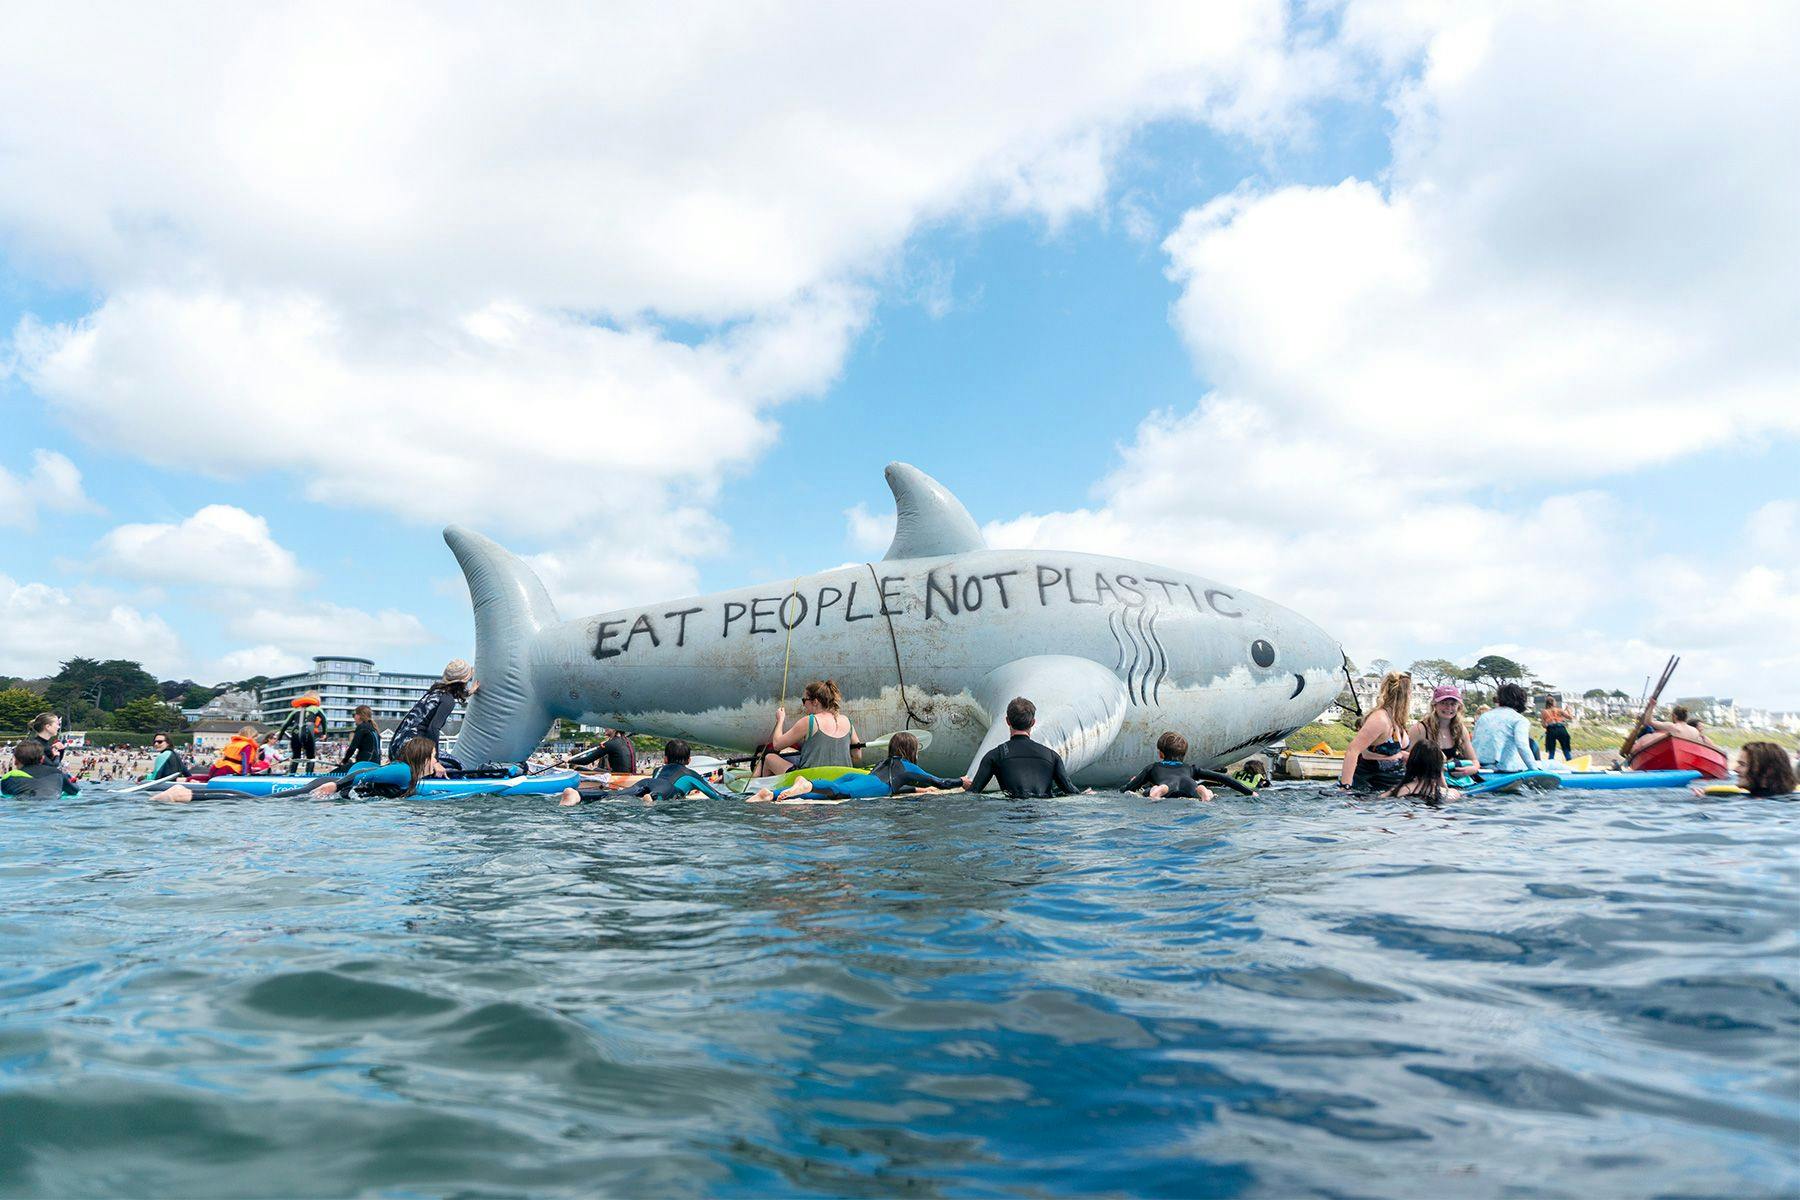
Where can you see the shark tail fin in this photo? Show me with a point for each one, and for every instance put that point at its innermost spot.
(506, 718)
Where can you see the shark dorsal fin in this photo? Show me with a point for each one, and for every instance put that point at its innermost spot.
(929, 521)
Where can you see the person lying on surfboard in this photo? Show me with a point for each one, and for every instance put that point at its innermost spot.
(897, 775)
(675, 778)
(1170, 776)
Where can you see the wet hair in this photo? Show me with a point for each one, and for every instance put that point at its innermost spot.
(459, 689)
(677, 751)
(417, 754)
(1395, 698)
(41, 722)
(1510, 695)
(1172, 746)
(1766, 770)
(904, 746)
(1021, 714)
(363, 710)
(824, 693)
(1424, 774)
(28, 753)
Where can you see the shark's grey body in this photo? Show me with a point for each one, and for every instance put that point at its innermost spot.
(938, 635)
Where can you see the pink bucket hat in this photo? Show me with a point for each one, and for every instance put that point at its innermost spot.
(1446, 691)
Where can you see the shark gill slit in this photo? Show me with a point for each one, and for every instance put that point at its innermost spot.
(1136, 655)
(1162, 656)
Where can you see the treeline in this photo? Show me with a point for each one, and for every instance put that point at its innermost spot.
(1480, 679)
(113, 693)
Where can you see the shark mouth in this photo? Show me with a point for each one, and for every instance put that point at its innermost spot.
(1299, 685)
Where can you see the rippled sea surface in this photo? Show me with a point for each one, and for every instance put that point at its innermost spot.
(1565, 995)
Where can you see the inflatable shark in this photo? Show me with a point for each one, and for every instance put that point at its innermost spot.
(938, 635)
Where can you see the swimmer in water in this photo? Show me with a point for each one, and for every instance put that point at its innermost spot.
(1025, 769)
(675, 778)
(898, 775)
(1424, 775)
(1171, 776)
(1376, 756)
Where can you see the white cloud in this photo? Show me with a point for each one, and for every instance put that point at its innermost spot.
(323, 628)
(472, 288)
(43, 626)
(257, 660)
(54, 484)
(1580, 265)
(868, 532)
(219, 542)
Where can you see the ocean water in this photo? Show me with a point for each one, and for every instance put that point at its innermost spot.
(1563, 995)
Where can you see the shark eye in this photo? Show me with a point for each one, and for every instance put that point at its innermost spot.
(1262, 653)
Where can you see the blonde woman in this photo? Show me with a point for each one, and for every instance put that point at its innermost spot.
(1376, 756)
(1445, 728)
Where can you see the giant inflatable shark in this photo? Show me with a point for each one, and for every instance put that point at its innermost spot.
(938, 635)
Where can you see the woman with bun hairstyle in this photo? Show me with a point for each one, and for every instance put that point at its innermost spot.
(824, 739)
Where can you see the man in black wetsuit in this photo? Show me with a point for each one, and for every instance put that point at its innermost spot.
(1026, 769)
(675, 778)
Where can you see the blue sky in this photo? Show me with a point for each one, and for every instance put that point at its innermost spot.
(1375, 316)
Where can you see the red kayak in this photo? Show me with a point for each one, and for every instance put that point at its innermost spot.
(1679, 754)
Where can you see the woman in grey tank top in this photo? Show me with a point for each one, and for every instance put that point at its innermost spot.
(823, 738)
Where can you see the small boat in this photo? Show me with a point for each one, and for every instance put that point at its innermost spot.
(1680, 754)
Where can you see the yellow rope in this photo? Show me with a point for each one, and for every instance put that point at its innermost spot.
(788, 654)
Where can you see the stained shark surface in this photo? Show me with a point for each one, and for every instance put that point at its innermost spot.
(940, 634)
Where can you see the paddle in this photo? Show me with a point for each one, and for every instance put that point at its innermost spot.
(1637, 727)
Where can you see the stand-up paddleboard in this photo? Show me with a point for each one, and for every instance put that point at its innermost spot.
(1592, 781)
(546, 783)
(1515, 781)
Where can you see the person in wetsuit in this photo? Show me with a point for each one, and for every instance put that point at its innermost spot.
(168, 764)
(1376, 756)
(897, 775)
(31, 778)
(426, 718)
(827, 738)
(617, 750)
(43, 731)
(417, 760)
(365, 740)
(1025, 769)
(675, 778)
(1170, 776)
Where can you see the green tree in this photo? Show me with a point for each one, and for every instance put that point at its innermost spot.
(1594, 694)
(105, 685)
(147, 714)
(197, 695)
(1496, 669)
(18, 706)
(1430, 672)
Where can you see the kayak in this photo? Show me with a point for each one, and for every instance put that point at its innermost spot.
(1673, 753)
(1580, 780)
(546, 783)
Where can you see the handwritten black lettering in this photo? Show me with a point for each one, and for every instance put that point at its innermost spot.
(850, 605)
(786, 623)
(888, 595)
(935, 591)
(682, 614)
(757, 613)
(999, 578)
(1212, 598)
(1100, 585)
(1134, 595)
(731, 616)
(971, 600)
(1069, 586)
(606, 634)
(1165, 584)
(642, 625)
(1047, 578)
(819, 611)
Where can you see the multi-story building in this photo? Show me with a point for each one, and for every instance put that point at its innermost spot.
(341, 683)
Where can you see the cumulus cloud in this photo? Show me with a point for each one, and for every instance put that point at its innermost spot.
(870, 533)
(217, 538)
(1580, 264)
(54, 484)
(42, 626)
(319, 627)
(479, 286)
(257, 660)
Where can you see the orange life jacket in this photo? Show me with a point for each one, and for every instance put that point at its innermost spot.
(239, 756)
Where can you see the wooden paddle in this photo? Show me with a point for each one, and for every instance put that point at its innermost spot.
(1637, 726)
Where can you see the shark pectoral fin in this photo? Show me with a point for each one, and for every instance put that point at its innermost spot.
(1080, 705)
(928, 520)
